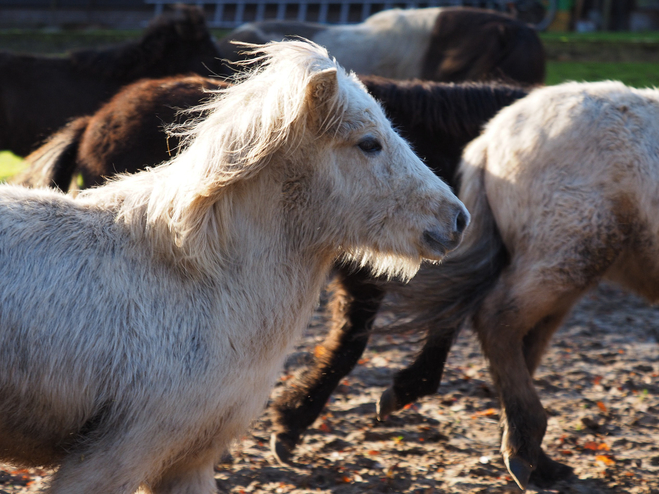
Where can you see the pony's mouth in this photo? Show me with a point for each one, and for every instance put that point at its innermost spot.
(440, 244)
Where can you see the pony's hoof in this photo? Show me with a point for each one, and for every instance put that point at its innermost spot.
(282, 449)
(386, 405)
(549, 471)
(520, 470)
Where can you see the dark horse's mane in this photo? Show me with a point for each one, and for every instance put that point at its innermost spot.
(439, 119)
(130, 60)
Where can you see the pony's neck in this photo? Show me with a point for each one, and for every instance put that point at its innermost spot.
(288, 276)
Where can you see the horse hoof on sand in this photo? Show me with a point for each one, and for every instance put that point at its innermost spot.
(548, 471)
(387, 404)
(520, 470)
(282, 448)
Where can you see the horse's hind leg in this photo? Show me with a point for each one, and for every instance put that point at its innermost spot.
(535, 342)
(514, 325)
(422, 378)
(354, 305)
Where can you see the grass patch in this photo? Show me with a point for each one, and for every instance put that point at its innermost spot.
(10, 164)
(602, 36)
(637, 74)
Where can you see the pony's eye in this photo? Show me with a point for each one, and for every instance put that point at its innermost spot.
(370, 145)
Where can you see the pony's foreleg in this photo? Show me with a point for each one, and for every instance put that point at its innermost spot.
(514, 325)
(195, 478)
(98, 469)
(119, 459)
(354, 304)
(422, 378)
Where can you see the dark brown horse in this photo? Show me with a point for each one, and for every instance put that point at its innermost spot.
(438, 119)
(451, 44)
(123, 136)
(39, 94)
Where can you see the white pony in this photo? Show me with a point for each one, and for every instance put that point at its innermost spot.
(144, 322)
(564, 188)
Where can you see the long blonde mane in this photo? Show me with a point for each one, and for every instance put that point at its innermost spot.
(179, 204)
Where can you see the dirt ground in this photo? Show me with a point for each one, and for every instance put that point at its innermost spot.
(599, 383)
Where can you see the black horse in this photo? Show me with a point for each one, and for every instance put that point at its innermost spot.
(39, 94)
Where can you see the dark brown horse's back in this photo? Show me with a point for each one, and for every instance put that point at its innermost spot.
(480, 45)
(439, 119)
(128, 133)
(123, 136)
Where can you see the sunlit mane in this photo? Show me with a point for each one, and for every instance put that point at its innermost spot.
(242, 128)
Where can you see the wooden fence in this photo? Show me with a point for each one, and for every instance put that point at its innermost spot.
(232, 13)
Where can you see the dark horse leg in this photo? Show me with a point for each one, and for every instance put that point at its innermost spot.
(355, 300)
(424, 375)
(422, 378)
(514, 325)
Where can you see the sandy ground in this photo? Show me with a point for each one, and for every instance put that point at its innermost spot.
(599, 383)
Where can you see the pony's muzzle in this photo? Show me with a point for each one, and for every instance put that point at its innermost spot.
(462, 219)
(440, 241)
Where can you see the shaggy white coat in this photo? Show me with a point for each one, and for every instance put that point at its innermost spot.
(143, 323)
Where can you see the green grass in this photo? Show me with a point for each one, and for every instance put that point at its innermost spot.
(603, 36)
(637, 74)
(10, 164)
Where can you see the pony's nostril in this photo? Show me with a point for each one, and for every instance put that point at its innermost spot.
(461, 221)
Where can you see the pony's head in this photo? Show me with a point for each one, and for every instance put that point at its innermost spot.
(332, 174)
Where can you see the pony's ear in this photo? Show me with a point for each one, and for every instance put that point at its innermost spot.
(322, 89)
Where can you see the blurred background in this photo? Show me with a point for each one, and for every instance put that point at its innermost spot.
(585, 40)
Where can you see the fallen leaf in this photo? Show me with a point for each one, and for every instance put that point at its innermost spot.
(602, 406)
(604, 459)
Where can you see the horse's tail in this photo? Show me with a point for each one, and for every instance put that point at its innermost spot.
(442, 297)
(54, 163)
